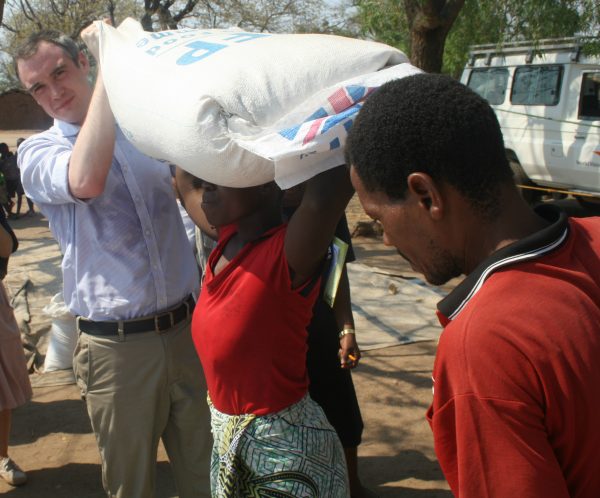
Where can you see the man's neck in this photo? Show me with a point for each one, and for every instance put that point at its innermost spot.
(516, 221)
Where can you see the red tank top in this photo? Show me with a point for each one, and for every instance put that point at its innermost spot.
(249, 328)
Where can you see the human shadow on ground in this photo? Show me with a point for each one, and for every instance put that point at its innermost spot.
(35, 420)
(367, 248)
(415, 377)
(81, 480)
(377, 471)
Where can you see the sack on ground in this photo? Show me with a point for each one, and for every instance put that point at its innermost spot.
(241, 109)
(63, 335)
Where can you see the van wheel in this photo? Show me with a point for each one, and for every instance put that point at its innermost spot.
(530, 196)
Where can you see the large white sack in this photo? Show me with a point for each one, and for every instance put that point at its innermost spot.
(63, 335)
(241, 109)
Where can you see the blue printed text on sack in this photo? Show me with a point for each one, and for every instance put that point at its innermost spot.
(192, 44)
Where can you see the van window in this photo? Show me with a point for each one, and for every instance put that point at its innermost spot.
(490, 83)
(536, 85)
(589, 100)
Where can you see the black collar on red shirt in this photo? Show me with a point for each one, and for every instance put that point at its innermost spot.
(531, 247)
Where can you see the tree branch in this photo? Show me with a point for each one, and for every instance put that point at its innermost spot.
(110, 7)
(185, 10)
(56, 9)
(432, 14)
(29, 13)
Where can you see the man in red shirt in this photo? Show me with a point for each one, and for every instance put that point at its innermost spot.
(516, 375)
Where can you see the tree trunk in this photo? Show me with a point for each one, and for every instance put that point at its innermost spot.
(430, 22)
(1, 10)
(165, 19)
(150, 7)
(427, 49)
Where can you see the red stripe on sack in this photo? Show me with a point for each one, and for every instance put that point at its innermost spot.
(340, 101)
(314, 129)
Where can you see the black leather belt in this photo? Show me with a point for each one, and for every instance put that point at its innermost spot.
(158, 323)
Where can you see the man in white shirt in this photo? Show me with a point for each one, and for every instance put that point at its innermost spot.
(128, 270)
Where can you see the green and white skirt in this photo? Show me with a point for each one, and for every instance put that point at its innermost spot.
(293, 453)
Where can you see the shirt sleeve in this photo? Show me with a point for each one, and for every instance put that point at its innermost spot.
(487, 418)
(44, 165)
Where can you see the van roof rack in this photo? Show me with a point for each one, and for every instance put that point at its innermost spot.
(573, 45)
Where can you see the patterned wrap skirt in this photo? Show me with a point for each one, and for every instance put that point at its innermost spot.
(293, 453)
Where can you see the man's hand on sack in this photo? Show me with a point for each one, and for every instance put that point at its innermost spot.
(91, 37)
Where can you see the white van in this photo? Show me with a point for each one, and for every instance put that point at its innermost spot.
(547, 99)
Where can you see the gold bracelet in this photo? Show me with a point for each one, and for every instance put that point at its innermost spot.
(346, 332)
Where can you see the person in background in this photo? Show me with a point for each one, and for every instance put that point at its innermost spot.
(20, 191)
(10, 172)
(128, 274)
(4, 205)
(15, 389)
(515, 401)
(260, 285)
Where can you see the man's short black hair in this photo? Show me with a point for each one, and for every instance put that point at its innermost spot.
(30, 46)
(433, 124)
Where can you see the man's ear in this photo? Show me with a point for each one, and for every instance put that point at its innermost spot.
(427, 194)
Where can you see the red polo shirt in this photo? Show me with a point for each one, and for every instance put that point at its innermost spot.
(517, 372)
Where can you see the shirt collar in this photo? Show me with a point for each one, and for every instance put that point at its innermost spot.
(67, 129)
(534, 246)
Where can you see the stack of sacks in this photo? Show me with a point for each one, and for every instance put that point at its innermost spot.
(242, 109)
(63, 335)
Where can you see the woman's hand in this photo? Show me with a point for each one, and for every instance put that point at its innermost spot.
(349, 351)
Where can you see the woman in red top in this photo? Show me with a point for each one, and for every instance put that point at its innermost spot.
(249, 328)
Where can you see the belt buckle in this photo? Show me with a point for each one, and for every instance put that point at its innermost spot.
(157, 328)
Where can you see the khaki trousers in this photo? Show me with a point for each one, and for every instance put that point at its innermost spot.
(140, 389)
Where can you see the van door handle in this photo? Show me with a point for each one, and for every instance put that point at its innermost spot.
(578, 137)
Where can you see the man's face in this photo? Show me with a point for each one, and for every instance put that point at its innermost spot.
(408, 227)
(58, 85)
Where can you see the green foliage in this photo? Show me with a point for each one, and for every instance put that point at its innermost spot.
(484, 21)
(514, 20)
(384, 21)
(336, 19)
(71, 16)
(260, 15)
(67, 16)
